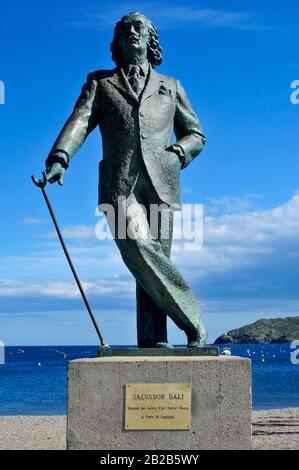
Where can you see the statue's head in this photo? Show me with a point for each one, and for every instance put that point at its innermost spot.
(134, 33)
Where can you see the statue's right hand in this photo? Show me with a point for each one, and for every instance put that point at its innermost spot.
(55, 173)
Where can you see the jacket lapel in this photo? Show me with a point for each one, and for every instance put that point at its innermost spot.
(152, 84)
(119, 81)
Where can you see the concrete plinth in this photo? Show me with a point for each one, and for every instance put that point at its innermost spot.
(220, 409)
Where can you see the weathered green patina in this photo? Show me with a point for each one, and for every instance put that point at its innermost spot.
(137, 111)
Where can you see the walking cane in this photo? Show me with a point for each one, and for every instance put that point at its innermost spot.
(41, 184)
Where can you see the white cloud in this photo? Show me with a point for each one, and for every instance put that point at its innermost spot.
(32, 221)
(65, 289)
(167, 15)
(242, 240)
(75, 232)
(230, 205)
(205, 16)
(90, 260)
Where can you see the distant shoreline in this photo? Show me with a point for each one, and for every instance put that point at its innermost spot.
(272, 429)
(264, 331)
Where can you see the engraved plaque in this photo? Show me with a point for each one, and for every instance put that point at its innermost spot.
(158, 406)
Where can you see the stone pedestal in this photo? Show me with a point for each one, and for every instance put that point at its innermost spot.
(220, 409)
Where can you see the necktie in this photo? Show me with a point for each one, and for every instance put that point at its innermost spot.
(135, 79)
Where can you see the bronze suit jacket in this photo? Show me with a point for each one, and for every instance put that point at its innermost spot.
(134, 132)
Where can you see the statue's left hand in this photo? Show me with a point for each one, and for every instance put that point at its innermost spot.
(55, 173)
(178, 150)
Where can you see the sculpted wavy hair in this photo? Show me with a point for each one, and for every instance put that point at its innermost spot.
(154, 51)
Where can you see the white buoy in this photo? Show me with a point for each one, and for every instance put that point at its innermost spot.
(226, 352)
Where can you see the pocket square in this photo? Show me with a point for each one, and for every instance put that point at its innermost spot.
(164, 91)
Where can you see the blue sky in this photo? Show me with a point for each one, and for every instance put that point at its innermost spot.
(236, 59)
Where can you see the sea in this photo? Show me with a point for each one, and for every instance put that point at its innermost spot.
(33, 379)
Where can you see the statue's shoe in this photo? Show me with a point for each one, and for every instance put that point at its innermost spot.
(196, 344)
(200, 341)
(164, 345)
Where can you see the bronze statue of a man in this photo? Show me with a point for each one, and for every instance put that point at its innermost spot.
(137, 111)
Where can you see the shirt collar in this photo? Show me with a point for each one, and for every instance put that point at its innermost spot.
(143, 69)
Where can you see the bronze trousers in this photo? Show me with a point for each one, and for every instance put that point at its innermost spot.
(145, 249)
